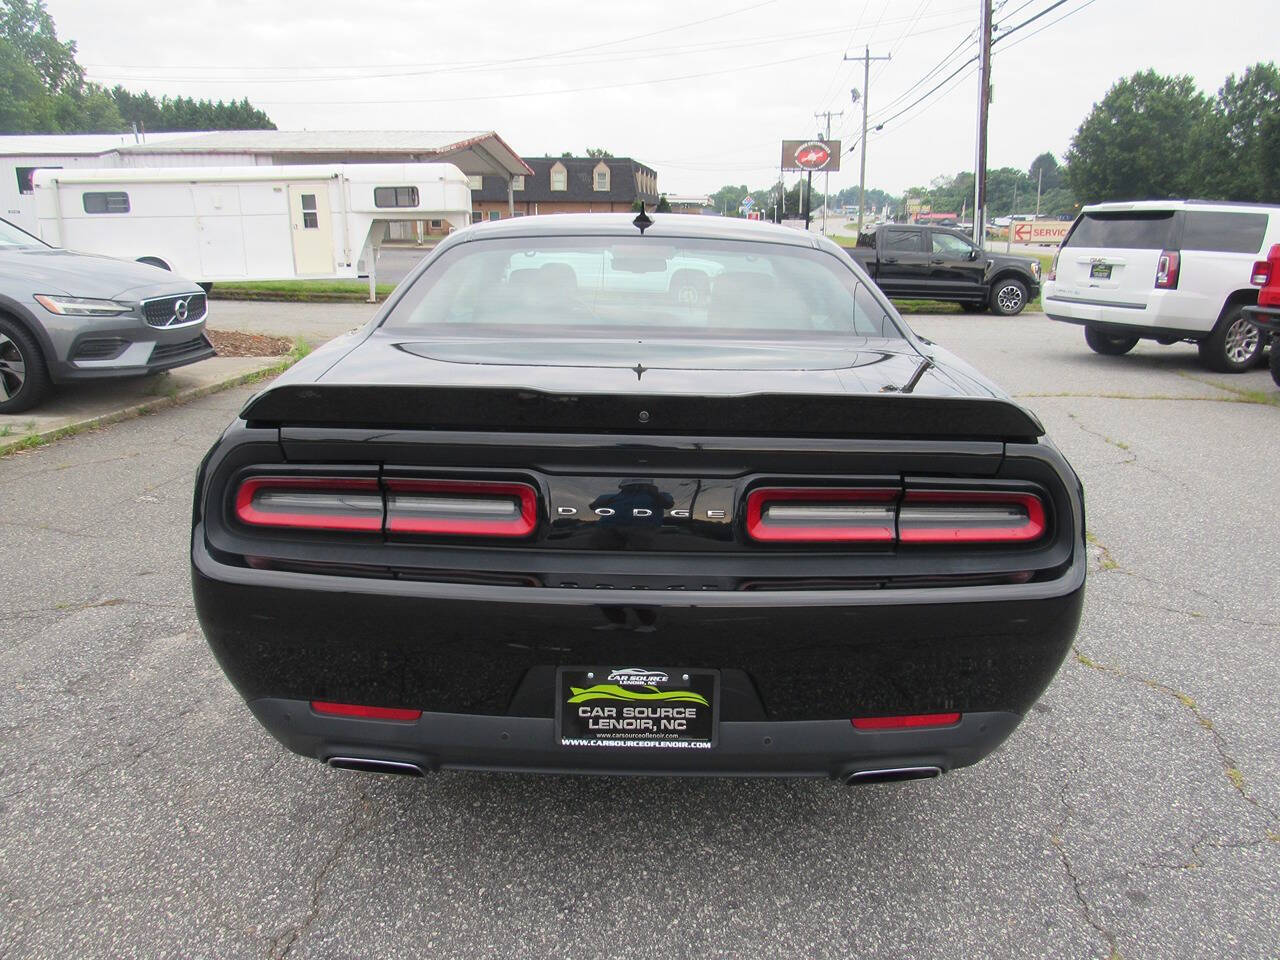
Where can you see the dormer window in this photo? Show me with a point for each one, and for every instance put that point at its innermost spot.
(600, 177)
(559, 178)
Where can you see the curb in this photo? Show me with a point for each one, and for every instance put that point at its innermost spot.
(10, 445)
(273, 297)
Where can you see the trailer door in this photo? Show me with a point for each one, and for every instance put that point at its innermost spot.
(220, 228)
(312, 229)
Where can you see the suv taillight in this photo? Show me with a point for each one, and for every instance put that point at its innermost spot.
(1167, 270)
(1261, 275)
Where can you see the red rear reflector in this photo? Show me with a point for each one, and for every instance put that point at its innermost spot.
(311, 503)
(970, 516)
(465, 508)
(365, 713)
(821, 514)
(1167, 270)
(911, 720)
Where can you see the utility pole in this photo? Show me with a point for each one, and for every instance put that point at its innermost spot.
(826, 183)
(984, 102)
(866, 59)
(1013, 212)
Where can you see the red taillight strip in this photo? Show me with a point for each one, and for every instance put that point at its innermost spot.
(248, 513)
(365, 713)
(876, 527)
(1032, 528)
(908, 722)
(523, 522)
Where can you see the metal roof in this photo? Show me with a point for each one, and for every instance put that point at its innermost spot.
(474, 151)
(78, 144)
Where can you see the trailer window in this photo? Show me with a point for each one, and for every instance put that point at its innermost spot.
(310, 216)
(113, 202)
(395, 196)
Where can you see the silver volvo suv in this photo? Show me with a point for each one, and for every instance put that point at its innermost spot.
(68, 316)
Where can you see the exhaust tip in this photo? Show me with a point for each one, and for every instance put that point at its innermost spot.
(372, 765)
(892, 775)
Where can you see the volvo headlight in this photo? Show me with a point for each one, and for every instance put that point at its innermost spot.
(81, 306)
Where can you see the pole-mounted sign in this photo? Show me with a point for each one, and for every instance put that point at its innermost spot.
(811, 155)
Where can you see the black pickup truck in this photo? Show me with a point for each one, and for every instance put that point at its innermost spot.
(939, 263)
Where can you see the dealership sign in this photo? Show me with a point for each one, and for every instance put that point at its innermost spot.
(811, 155)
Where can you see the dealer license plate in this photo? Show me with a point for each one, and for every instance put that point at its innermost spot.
(637, 707)
(1100, 271)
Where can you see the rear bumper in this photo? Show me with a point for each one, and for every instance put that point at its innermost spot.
(1265, 318)
(1150, 317)
(823, 748)
(481, 660)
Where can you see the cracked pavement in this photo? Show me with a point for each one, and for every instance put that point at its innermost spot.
(1133, 814)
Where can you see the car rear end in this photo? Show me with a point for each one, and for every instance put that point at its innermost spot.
(616, 531)
(843, 605)
(1119, 269)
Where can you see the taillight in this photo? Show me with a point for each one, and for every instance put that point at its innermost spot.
(360, 712)
(478, 508)
(911, 721)
(970, 516)
(311, 503)
(887, 515)
(821, 514)
(1261, 275)
(1167, 270)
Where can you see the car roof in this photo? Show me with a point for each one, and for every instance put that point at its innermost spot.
(684, 225)
(1156, 206)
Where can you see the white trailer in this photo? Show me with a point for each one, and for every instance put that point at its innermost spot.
(213, 224)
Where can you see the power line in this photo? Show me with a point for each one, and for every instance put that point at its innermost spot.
(547, 93)
(1069, 13)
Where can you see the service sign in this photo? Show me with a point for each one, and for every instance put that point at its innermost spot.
(817, 155)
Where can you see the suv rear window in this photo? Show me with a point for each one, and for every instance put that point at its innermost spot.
(1223, 232)
(1125, 231)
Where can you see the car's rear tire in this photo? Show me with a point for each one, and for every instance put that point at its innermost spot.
(1008, 297)
(1100, 341)
(24, 380)
(1234, 345)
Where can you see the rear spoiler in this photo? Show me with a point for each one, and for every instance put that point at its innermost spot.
(395, 406)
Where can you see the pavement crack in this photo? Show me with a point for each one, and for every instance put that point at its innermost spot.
(1077, 887)
(283, 944)
(1229, 767)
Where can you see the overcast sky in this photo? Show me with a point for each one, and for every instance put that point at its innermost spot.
(701, 91)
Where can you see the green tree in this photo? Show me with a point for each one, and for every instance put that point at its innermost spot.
(1146, 139)
(27, 25)
(1047, 164)
(1245, 160)
(663, 206)
(26, 106)
(598, 153)
(183, 113)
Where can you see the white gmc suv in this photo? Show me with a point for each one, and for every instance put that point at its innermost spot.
(1164, 270)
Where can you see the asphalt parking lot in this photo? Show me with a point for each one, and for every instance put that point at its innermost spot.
(1134, 814)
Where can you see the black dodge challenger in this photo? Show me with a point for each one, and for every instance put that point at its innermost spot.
(670, 495)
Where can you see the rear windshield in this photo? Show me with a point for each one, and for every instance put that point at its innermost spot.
(619, 286)
(1125, 231)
